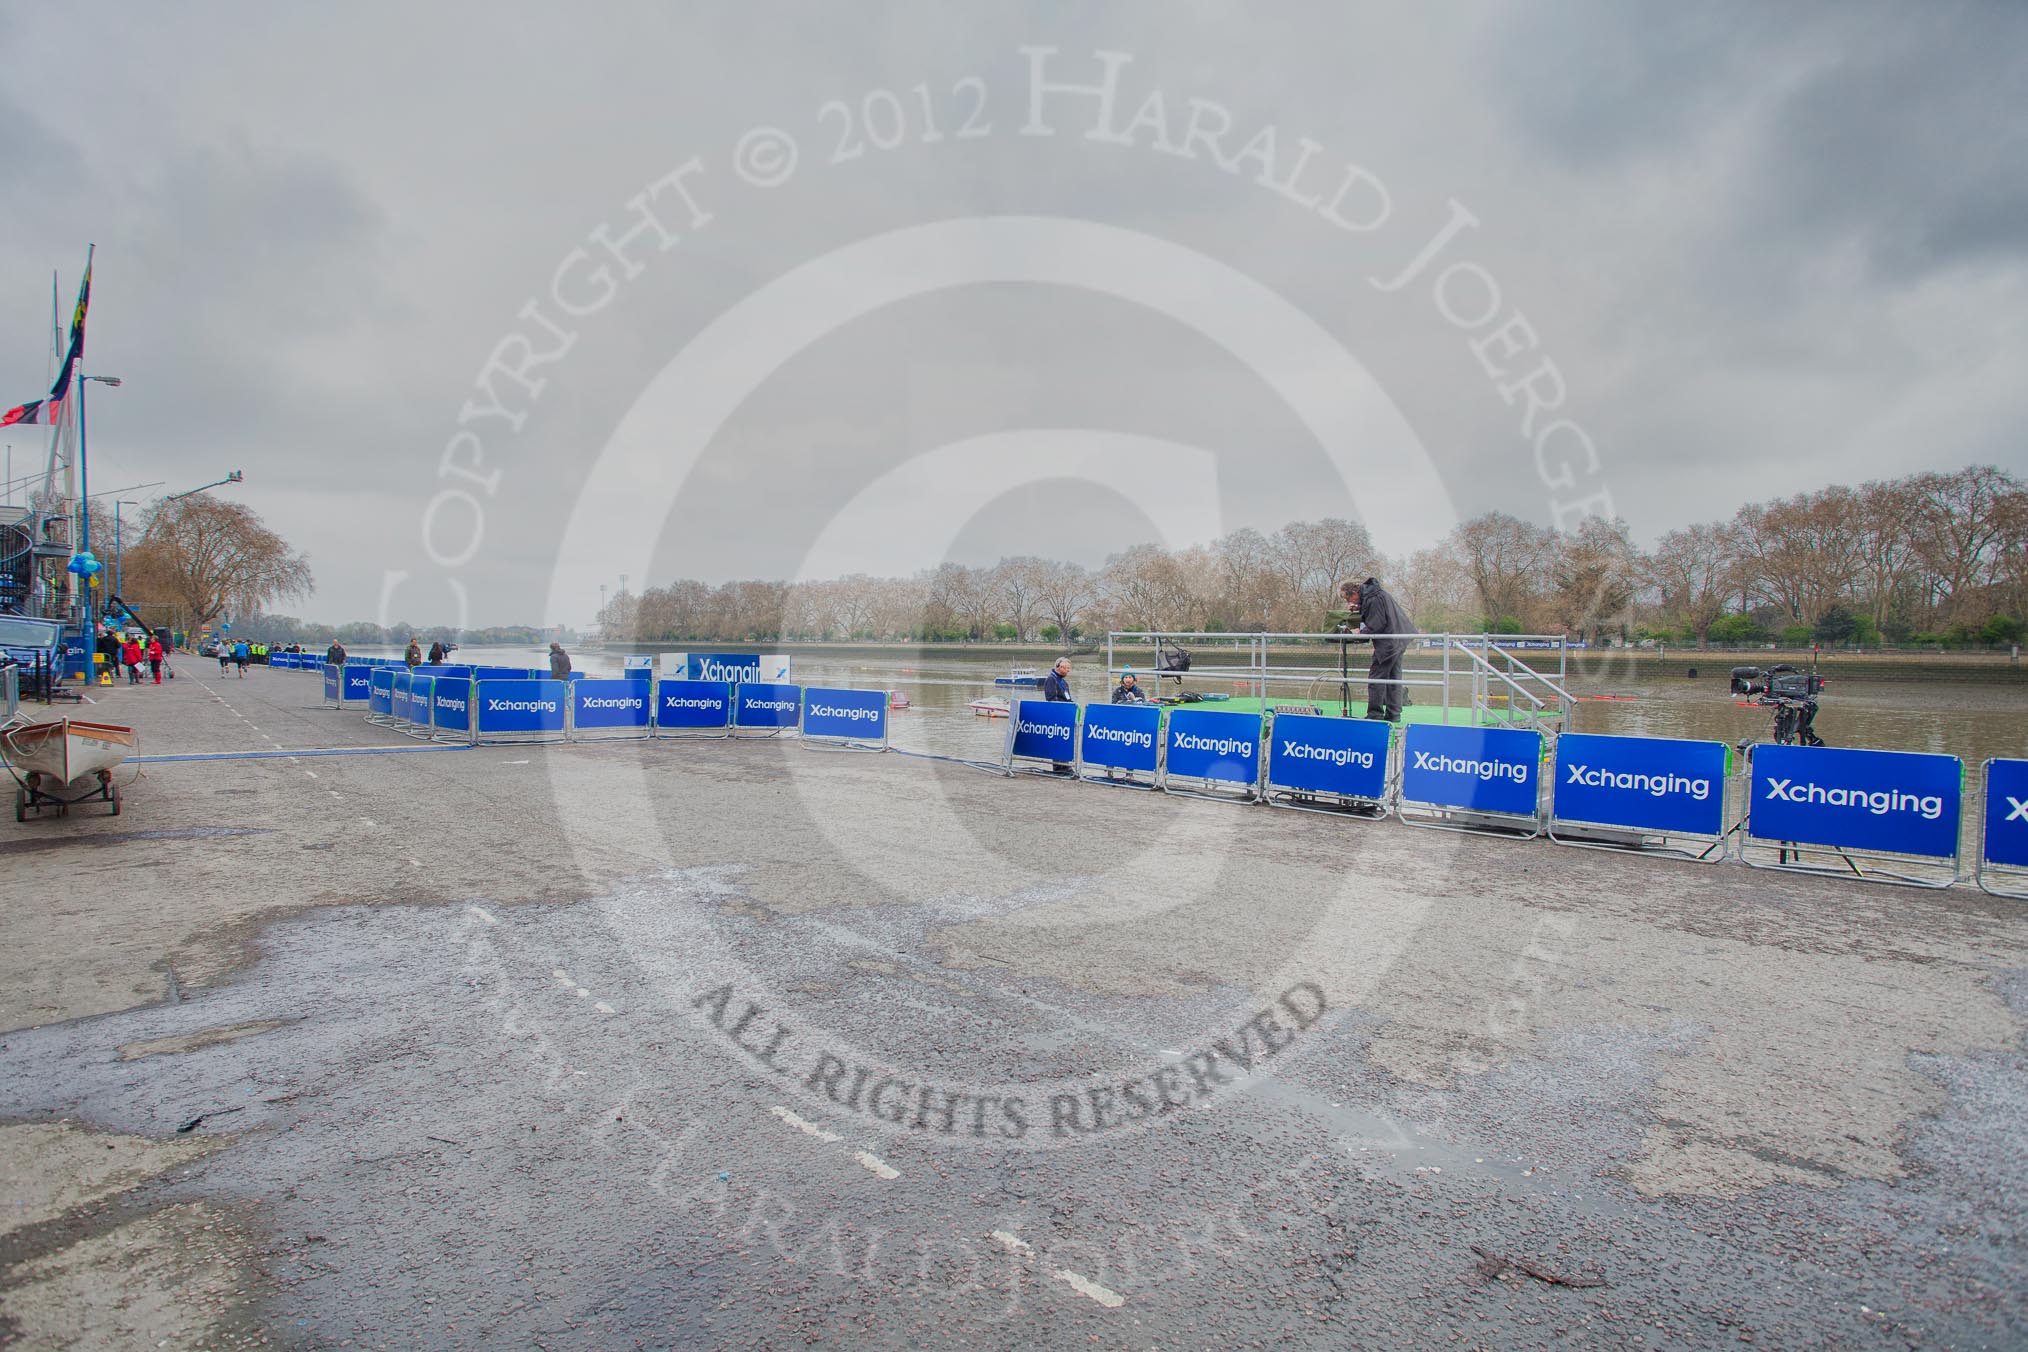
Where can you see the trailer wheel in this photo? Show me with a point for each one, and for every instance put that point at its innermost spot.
(114, 794)
(20, 805)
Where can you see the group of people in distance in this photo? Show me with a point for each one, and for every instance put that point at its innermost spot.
(234, 655)
(559, 660)
(1369, 610)
(128, 650)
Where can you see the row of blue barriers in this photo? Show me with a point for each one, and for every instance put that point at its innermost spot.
(1816, 809)
(484, 704)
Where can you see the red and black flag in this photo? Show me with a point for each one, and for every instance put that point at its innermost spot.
(77, 332)
(27, 415)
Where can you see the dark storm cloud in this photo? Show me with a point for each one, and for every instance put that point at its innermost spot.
(1770, 247)
(1911, 142)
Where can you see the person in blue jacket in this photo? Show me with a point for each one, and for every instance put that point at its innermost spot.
(242, 653)
(1056, 686)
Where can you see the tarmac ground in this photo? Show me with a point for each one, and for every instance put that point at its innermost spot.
(344, 1039)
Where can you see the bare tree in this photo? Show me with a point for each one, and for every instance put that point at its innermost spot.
(1144, 589)
(1695, 570)
(1959, 522)
(1014, 583)
(1597, 571)
(206, 556)
(1065, 590)
(1507, 560)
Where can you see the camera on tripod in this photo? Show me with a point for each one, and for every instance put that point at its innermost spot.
(1780, 681)
(1791, 692)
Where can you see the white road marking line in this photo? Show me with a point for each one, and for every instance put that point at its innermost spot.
(877, 1165)
(583, 994)
(603, 1008)
(1077, 1281)
(519, 762)
(562, 976)
(367, 820)
(311, 773)
(415, 863)
(1085, 1286)
(810, 1128)
(334, 793)
(483, 914)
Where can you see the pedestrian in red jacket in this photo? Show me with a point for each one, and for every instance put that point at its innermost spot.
(155, 658)
(131, 655)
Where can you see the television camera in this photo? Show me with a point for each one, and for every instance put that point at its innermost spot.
(1788, 690)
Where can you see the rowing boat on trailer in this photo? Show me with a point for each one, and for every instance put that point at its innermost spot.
(48, 757)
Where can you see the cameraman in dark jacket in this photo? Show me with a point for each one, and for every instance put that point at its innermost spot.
(1379, 613)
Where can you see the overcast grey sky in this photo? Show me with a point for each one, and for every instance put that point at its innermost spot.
(1761, 247)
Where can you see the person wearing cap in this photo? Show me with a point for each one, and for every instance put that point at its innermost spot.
(1129, 691)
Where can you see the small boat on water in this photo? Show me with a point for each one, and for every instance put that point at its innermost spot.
(1020, 676)
(990, 707)
(51, 756)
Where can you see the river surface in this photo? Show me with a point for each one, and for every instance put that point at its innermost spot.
(1971, 720)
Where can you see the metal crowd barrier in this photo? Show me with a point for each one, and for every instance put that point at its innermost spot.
(1886, 816)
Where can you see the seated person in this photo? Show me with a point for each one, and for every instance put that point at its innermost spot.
(1129, 691)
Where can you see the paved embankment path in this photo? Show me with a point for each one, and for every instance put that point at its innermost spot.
(698, 1043)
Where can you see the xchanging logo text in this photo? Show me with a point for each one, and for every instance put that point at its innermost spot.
(1658, 785)
(1879, 802)
(1517, 771)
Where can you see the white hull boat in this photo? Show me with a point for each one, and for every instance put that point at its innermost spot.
(63, 752)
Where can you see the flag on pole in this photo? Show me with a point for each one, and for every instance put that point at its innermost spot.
(26, 415)
(61, 389)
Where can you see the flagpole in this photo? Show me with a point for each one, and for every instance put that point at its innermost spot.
(84, 511)
(84, 502)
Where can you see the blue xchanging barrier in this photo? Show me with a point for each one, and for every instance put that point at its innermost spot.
(1040, 730)
(1656, 794)
(451, 710)
(1470, 779)
(1328, 764)
(380, 695)
(852, 719)
(519, 710)
(766, 708)
(1823, 809)
(421, 703)
(608, 709)
(2003, 843)
(692, 708)
(1123, 741)
(1214, 748)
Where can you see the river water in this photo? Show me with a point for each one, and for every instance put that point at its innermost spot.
(1972, 720)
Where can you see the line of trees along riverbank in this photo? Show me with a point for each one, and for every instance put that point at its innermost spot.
(1936, 558)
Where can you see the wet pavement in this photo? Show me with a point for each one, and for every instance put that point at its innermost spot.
(749, 1045)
